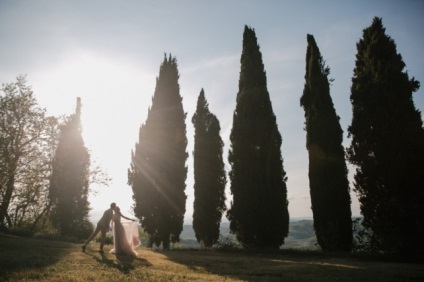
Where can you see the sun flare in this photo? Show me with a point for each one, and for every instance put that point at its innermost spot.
(109, 121)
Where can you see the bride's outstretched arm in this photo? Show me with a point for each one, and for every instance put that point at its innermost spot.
(127, 217)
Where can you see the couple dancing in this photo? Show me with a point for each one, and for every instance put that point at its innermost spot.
(125, 234)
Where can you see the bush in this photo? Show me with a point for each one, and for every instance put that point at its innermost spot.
(361, 238)
(226, 243)
(108, 239)
(21, 231)
(82, 231)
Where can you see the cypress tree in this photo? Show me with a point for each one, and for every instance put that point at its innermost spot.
(259, 211)
(158, 172)
(329, 185)
(209, 174)
(69, 185)
(387, 146)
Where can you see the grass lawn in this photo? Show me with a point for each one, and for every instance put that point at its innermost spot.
(27, 259)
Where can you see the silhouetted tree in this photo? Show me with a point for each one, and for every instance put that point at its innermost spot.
(158, 172)
(328, 182)
(387, 146)
(69, 184)
(209, 174)
(24, 155)
(40, 213)
(259, 210)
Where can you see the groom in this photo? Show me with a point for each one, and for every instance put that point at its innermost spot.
(102, 226)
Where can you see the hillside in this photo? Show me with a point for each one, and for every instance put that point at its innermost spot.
(301, 235)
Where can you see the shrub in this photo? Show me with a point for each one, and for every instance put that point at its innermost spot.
(21, 231)
(108, 239)
(227, 242)
(361, 237)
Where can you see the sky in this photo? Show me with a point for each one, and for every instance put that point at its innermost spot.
(109, 53)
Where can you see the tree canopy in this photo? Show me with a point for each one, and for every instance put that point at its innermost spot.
(209, 174)
(387, 145)
(69, 185)
(328, 182)
(27, 138)
(259, 210)
(158, 172)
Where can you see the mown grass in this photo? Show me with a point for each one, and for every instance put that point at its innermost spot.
(27, 259)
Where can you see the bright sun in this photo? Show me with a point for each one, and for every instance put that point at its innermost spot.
(115, 97)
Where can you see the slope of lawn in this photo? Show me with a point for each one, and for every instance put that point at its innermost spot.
(27, 259)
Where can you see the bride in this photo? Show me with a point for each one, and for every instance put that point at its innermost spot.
(125, 235)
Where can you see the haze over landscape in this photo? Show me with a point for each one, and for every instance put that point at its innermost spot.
(109, 53)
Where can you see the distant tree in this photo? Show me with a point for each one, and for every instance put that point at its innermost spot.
(209, 174)
(69, 186)
(259, 211)
(158, 172)
(26, 135)
(328, 182)
(387, 146)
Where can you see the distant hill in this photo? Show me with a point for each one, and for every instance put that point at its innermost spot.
(301, 235)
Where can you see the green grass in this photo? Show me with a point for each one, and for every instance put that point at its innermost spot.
(27, 259)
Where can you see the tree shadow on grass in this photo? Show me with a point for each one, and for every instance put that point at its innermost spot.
(123, 263)
(249, 266)
(18, 253)
(294, 266)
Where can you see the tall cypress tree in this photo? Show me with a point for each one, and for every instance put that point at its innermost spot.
(69, 184)
(158, 171)
(259, 211)
(387, 145)
(328, 182)
(209, 174)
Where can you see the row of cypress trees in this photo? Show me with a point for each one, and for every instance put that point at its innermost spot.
(387, 146)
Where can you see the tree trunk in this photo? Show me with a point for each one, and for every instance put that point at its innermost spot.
(46, 209)
(166, 243)
(10, 186)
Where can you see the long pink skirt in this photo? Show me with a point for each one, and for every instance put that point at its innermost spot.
(125, 238)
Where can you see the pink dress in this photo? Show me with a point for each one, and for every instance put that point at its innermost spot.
(125, 236)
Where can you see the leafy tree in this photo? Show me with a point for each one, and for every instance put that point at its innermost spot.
(158, 172)
(69, 186)
(387, 146)
(259, 211)
(31, 204)
(329, 185)
(209, 174)
(26, 137)
(40, 215)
